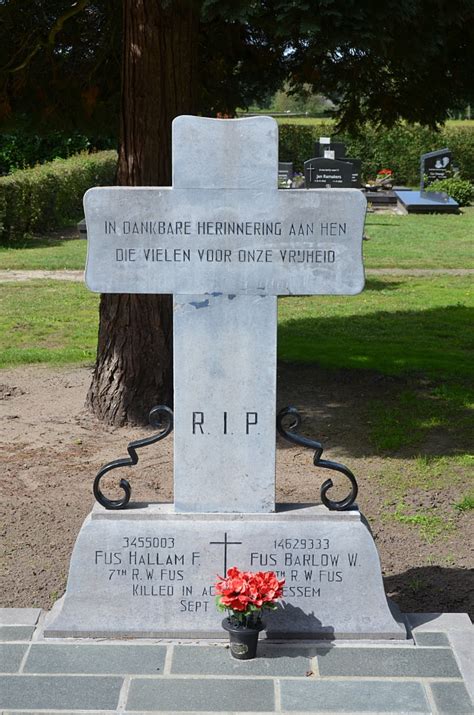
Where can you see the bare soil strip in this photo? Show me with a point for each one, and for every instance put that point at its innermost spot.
(77, 276)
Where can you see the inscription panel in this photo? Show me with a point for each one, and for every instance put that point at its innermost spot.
(157, 576)
(188, 241)
(327, 172)
(165, 567)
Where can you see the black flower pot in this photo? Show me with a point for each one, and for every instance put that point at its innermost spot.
(243, 638)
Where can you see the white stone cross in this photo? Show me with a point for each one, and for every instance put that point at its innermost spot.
(225, 241)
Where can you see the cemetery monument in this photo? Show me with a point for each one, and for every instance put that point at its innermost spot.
(226, 242)
(434, 166)
(326, 172)
(330, 168)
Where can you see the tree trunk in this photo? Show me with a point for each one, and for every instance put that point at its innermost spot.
(133, 370)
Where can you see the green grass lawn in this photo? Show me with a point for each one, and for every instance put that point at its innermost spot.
(432, 241)
(307, 121)
(47, 322)
(327, 120)
(45, 253)
(417, 241)
(419, 329)
(396, 325)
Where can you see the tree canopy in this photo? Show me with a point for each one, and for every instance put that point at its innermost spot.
(60, 63)
(383, 61)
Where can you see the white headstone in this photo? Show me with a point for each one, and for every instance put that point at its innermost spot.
(226, 242)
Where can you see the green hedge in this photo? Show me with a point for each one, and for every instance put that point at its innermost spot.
(50, 195)
(398, 149)
(23, 149)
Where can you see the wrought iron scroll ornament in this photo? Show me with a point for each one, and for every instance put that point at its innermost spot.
(160, 417)
(289, 433)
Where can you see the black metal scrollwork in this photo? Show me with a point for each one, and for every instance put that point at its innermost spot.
(289, 433)
(160, 417)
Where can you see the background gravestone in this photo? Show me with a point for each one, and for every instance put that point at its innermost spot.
(326, 144)
(322, 173)
(434, 166)
(285, 171)
(149, 570)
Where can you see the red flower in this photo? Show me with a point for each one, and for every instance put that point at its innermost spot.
(265, 587)
(243, 591)
(384, 172)
(234, 590)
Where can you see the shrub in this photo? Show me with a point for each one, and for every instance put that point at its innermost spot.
(50, 195)
(461, 142)
(21, 149)
(460, 190)
(398, 148)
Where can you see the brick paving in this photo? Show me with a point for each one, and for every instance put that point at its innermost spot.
(430, 673)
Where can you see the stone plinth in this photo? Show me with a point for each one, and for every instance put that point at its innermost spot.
(149, 572)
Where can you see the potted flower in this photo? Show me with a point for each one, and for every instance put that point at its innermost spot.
(384, 177)
(244, 595)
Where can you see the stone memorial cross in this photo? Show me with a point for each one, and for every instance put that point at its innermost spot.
(226, 242)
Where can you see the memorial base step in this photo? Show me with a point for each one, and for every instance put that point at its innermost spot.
(148, 572)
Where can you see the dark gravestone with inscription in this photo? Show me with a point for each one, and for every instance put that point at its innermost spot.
(328, 149)
(434, 166)
(225, 243)
(327, 173)
(325, 144)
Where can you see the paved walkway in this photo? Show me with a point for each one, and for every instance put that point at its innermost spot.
(20, 276)
(13, 276)
(431, 673)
